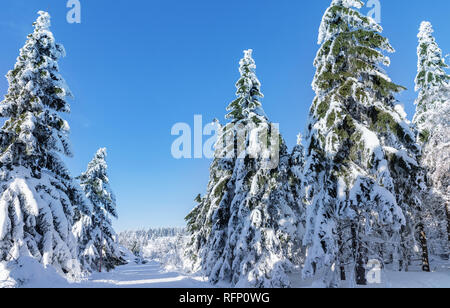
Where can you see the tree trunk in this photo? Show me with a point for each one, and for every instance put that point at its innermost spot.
(343, 275)
(447, 210)
(101, 247)
(360, 269)
(403, 252)
(341, 267)
(424, 247)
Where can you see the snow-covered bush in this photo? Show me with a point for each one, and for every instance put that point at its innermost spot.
(164, 245)
(169, 251)
(27, 272)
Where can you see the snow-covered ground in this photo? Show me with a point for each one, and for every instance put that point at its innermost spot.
(161, 271)
(415, 278)
(153, 275)
(149, 275)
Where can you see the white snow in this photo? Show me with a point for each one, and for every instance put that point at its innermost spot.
(27, 272)
(390, 279)
(152, 275)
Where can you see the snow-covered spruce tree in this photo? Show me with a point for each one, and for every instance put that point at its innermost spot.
(246, 229)
(38, 196)
(362, 179)
(296, 164)
(94, 231)
(197, 231)
(433, 122)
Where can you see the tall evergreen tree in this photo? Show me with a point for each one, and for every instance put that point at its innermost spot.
(97, 238)
(362, 179)
(433, 122)
(37, 195)
(198, 232)
(432, 81)
(246, 228)
(296, 164)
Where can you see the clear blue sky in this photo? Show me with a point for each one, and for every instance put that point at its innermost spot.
(138, 67)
